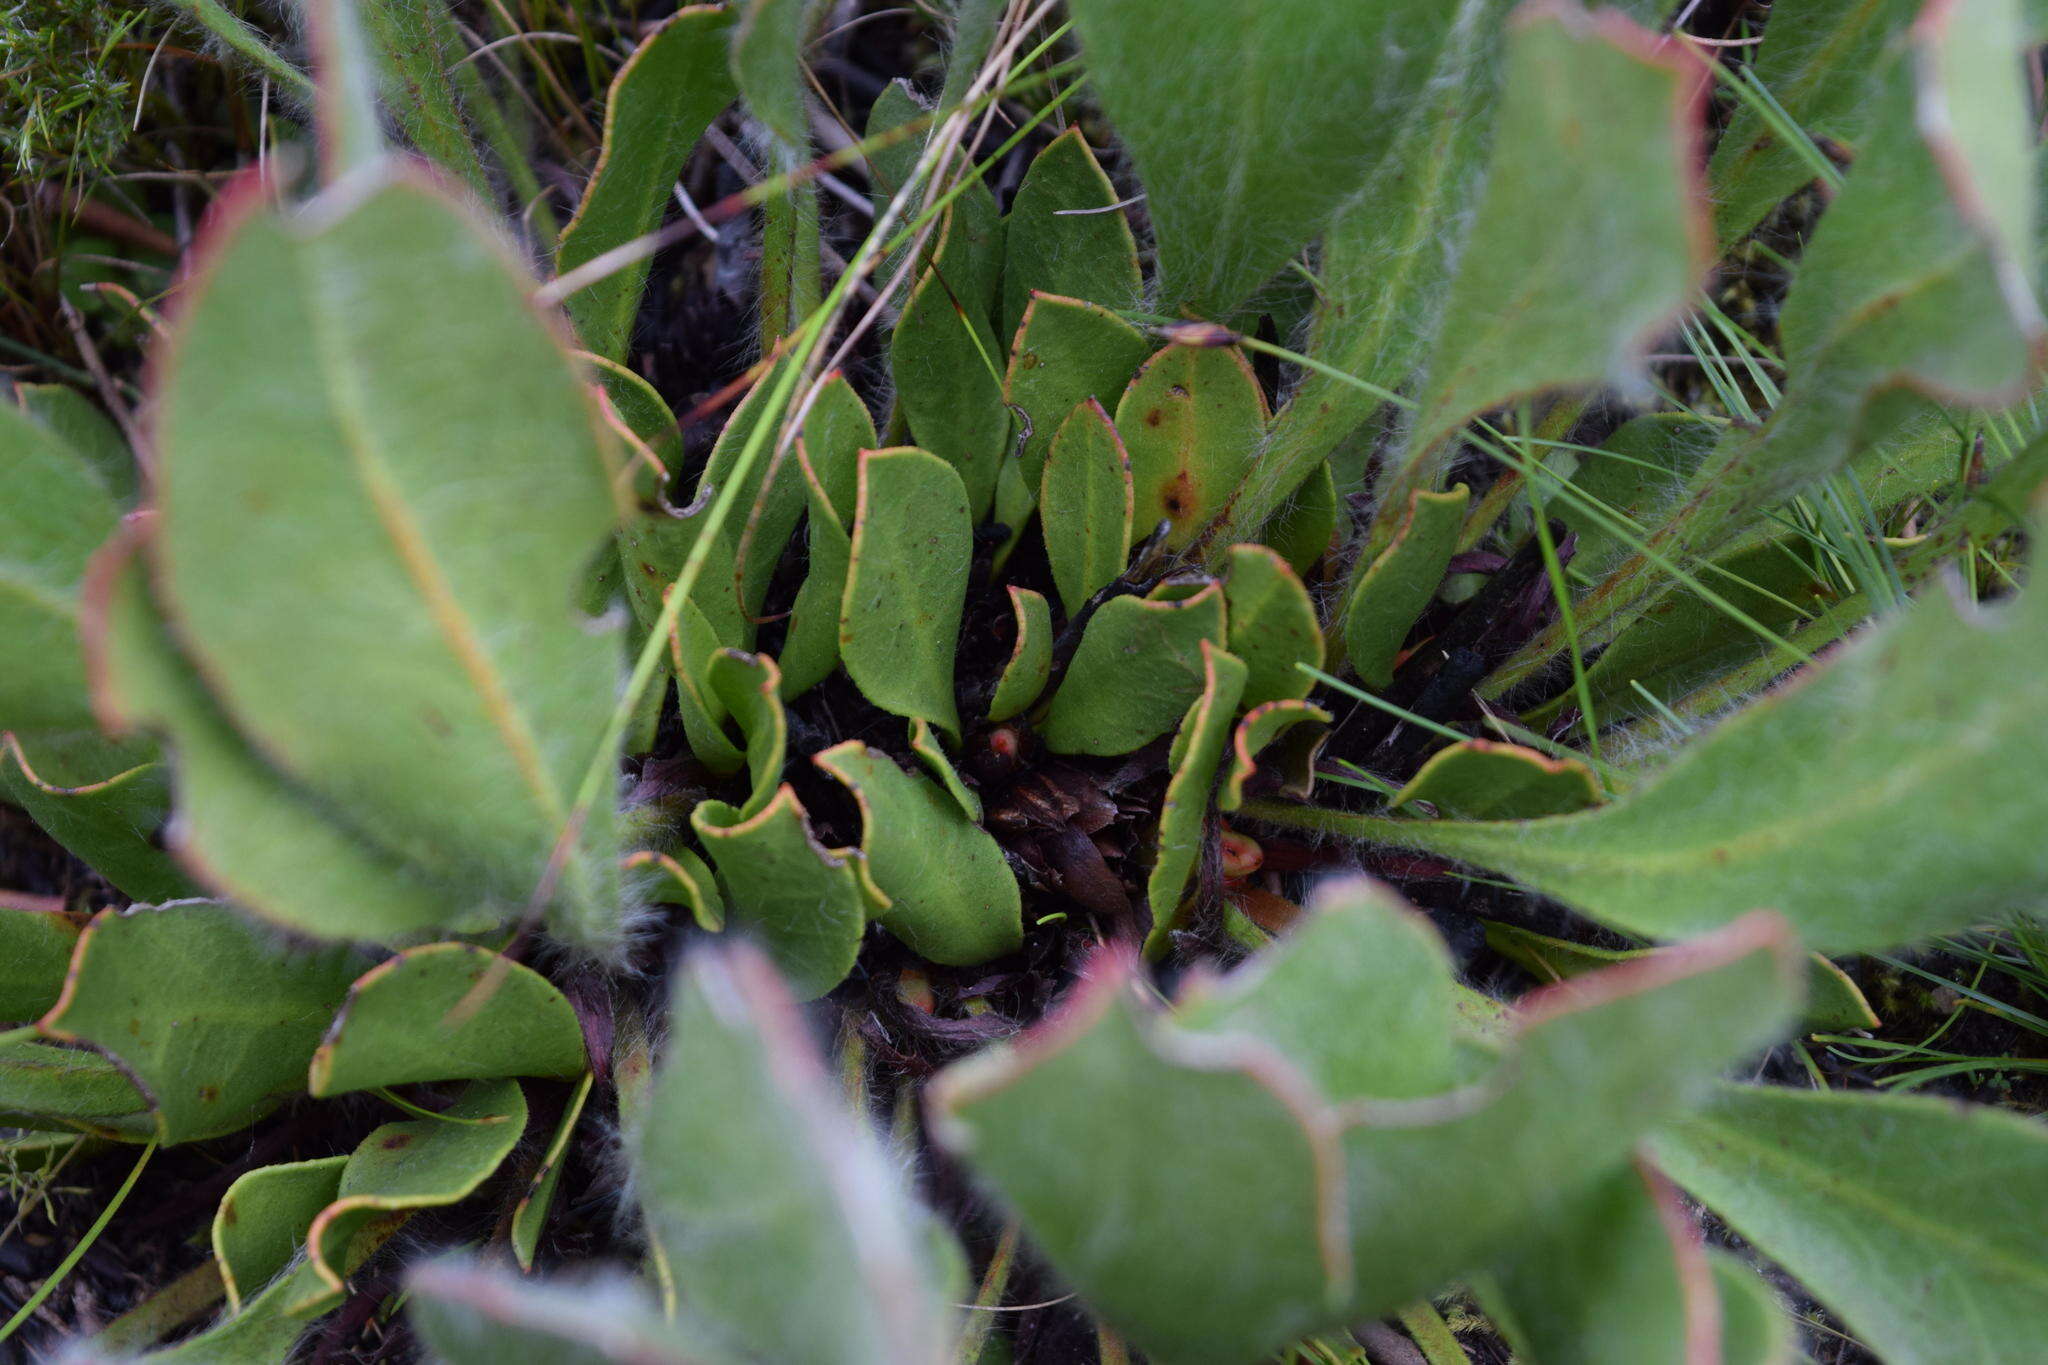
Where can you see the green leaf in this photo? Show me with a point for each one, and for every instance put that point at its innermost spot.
(1918, 281)
(801, 899)
(530, 1214)
(112, 825)
(1389, 256)
(899, 622)
(1689, 641)
(1029, 666)
(890, 166)
(77, 422)
(1305, 530)
(67, 1089)
(1897, 1212)
(1065, 351)
(924, 743)
(640, 408)
(685, 881)
(1483, 779)
(1824, 64)
(306, 334)
(1756, 1329)
(1834, 1003)
(1353, 1204)
(810, 650)
(735, 579)
(1191, 421)
(1884, 797)
(402, 1168)
(953, 897)
(35, 954)
(260, 1334)
(1596, 159)
(241, 826)
(413, 1018)
(659, 104)
(1639, 471)
(1617, 1278)
(1196, 754)
(1135, 673)
(1064, 235)
(1251, 124)
(1390, 594)
(263, 1219)
(418, 49)
(214, 1024)
(1392, 973)
(1085, 505)
(791, 262)
(748, 687)
(54, 512)
(470, 1313)
(756, 1181)
(767, 64)
(1921, 271)
(1272, 624)
(1261, 726)
(945, 358)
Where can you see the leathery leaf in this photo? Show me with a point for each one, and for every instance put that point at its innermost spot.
(111, 824)
(530, 1215)
(1483, 779)
(749, 688)
(1197, 752)
(1191, 421)
(1377, 1180)
(262, 1221)
(55, 509)
(1136, 671)
(35, 952)
(802, 900)
(66, 1089)
(944, 354)
(351, 333)
(1272, 624)
(810, 649)
(953, 897)
(1262, 725)
(1390, 594)
(1064, 235)
(1029, 666)
(1065, 351)
(214, 1023)
(1085, 505)
(899, 622)
(413, 1018)
(755, 1178)
(658, 105)
(400, 1169)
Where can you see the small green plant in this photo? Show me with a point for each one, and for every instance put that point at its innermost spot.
(425, 687)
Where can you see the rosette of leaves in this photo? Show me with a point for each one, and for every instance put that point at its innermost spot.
(1071, 640)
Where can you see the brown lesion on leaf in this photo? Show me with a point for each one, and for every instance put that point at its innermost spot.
(1179, 498)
